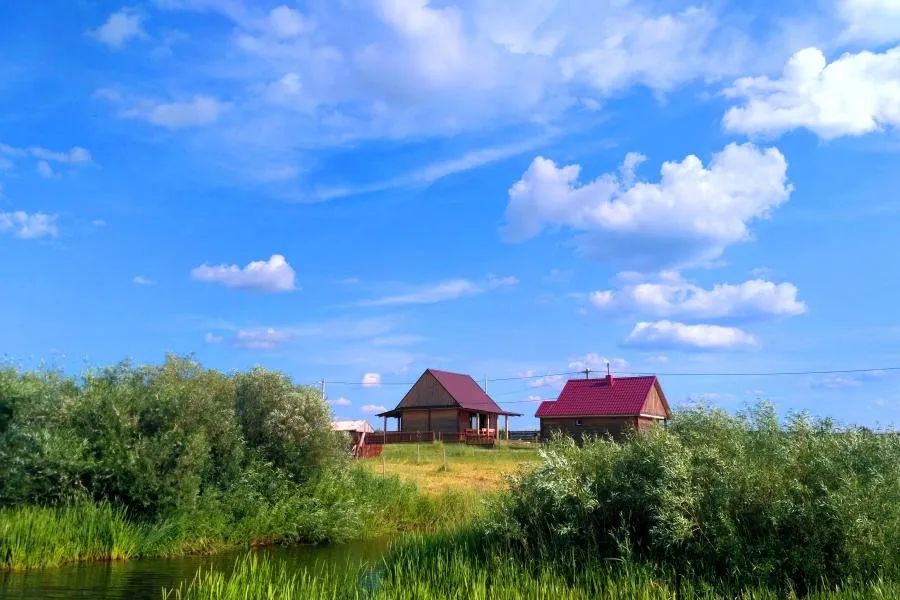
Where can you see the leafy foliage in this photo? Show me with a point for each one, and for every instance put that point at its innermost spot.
(721, 497)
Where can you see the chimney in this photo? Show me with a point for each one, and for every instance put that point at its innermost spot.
(609, 377)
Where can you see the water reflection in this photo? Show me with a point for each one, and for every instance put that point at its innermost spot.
(145, 579)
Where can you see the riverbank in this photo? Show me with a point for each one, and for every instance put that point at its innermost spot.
(368, 507)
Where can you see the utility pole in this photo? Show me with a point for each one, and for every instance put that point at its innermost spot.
(587, 373)
(323, 389)
(485, 384)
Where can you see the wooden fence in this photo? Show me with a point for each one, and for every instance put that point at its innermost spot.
(525, 436)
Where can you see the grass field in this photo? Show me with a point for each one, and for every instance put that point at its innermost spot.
(468, 468)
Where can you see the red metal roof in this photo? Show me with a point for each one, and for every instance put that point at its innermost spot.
(468, 393)
(596, 398)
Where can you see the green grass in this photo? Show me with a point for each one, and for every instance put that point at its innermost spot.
(468, 469)
(356, 506)
(33, 537)
(411, 573)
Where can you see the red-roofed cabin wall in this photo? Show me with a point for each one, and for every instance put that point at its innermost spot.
(653, 405)
(577, 428)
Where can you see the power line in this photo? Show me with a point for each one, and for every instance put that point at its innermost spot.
(624, 373)
(773, 373)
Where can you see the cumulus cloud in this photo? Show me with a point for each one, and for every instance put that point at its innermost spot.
(120, 27)
(28, 226)
(668, 334)
(875, 21)
(211, 338)
(546, 381)
(340, 402)
(371, 380)
(854, 95)
(686, 219)
(273, 275)
(753, 299)
(373, 409)
(141, 280)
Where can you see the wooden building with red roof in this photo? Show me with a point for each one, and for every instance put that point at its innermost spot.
(446, 406)
(604, 406)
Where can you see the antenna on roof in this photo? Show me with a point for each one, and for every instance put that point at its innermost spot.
(587, 373)
(607, 368)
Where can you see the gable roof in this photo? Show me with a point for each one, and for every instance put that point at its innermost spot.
(467, 393)
(597, 398)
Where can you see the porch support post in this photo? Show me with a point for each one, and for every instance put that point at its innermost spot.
(506, 425)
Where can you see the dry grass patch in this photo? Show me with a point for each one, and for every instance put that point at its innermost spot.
(468, 468)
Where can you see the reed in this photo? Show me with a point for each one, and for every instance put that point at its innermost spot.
(414, 572)
(33, 537)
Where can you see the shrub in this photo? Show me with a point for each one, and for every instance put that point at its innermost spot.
(738, 498)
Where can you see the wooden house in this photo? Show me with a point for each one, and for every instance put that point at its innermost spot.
(445, 406)
(604, 406)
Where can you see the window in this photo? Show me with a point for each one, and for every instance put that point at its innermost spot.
(578, 422)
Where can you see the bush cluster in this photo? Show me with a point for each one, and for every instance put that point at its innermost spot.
(744, 499)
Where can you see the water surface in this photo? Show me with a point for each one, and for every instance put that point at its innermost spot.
(144, 579)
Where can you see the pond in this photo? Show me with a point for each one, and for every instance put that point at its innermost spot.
(144, 579)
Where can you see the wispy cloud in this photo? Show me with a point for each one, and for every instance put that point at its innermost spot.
(373, 409)
(436, 171)
(141, 280)
(451, 289)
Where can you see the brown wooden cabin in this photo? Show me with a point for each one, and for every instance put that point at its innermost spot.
(445, 406)
(606, 406)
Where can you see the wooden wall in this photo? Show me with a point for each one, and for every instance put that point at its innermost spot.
(599, 426)
(427, 392)
(653, 405)
(430, 419)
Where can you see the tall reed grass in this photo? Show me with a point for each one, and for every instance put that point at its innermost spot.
(410, 575)
(33, 537)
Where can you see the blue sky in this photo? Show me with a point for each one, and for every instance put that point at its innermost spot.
(357, 191)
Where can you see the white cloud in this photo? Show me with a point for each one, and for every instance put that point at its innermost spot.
(440, 292)
(211, 338)
(667, 334)
(373, 409)
(273, 275)
(44, 169)
(436, 171)
(546, 381)
(285, 22)
(687, 219)
(340, 402)
(397, 340)
(704, 397)
(120, 27)
(261, 339)
(141, 280)
(854, 95)
(875, 21)
(753, 299)
(98, 223)
(200, 110)
(659, 358)
(28, 225)
(75, 155)
(443, 291)
(595, 362)
(371, 380)
(502, 282)
(843, 381)
(534, 398)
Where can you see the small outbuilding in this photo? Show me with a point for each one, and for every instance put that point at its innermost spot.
(446, 406)
(604, 406)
